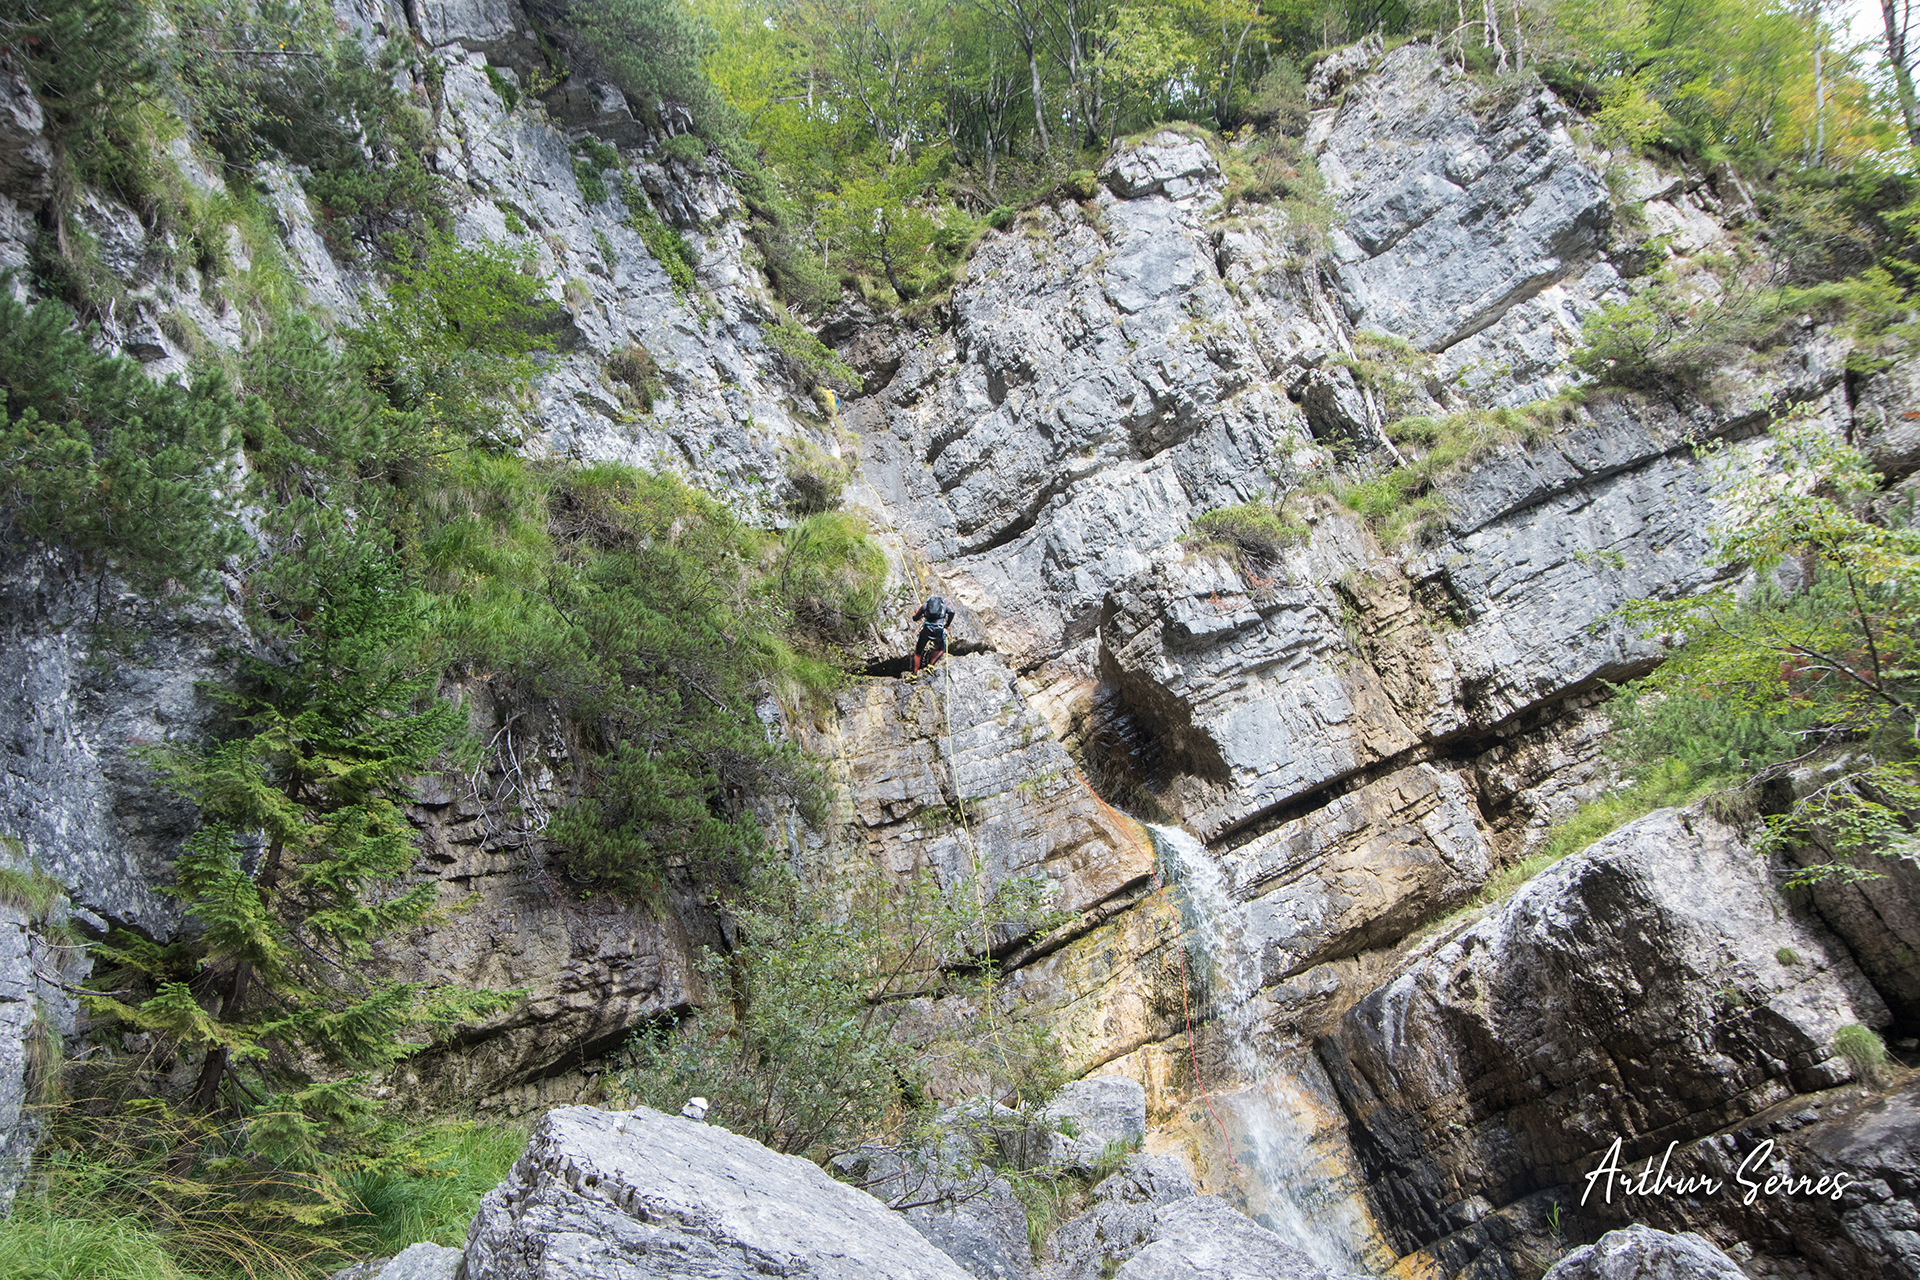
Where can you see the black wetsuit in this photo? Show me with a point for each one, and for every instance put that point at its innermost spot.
(933, 617)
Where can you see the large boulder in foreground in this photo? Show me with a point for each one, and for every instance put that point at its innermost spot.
(1641, 1253)
(1654, 989)
(1204, 1238)
(632, 1195)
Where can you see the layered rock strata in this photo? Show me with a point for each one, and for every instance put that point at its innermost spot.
(1653, 989)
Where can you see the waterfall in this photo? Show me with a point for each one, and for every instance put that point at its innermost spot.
(1268, 1109)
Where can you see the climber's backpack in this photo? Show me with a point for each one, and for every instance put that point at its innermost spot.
(937, 614)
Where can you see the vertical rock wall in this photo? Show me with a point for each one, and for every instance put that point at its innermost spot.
(1364, 734)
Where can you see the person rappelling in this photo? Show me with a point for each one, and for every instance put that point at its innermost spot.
(933, 617)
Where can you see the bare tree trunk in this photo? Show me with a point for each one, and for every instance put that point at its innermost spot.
(1039, 101)
(1898, 13)
(1493, 34)
(1819, 102)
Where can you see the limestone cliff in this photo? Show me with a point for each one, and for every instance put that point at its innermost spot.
(1363, 734)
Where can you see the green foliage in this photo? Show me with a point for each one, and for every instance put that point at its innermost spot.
(1253, 535)
(36, 1244)
(636, 377)
(1679, 332)
(668, 247)
(796, 1046)
(1831, 668)
(1402, 502)
(811, 361)
(687, 148)
(92, 67)
(815, 478)
(435, 1195)
(880, 222)
(1864, 1052)
(272, 78)
(455, 334)
(676, 614)
(271, 985)
(653, 50)
(1279, 100)
(831, 576)
(102, 1202)
(592, 185)
(98, 458)
(30, 890)
(508, 94)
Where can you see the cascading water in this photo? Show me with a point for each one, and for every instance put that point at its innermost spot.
(1284, 1179)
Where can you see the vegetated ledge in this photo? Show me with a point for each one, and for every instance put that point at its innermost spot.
(1687, 433)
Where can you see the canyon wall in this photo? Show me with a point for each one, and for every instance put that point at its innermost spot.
(1363, 734)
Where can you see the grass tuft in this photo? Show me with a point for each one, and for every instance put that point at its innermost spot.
(1864, 1052)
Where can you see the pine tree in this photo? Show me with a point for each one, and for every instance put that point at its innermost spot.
(291, 879)
(98, 458)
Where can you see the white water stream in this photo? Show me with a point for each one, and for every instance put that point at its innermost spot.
(1267, 1108)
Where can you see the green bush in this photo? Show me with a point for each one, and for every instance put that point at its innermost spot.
(831, 577)
(434, 1195)
(323, 105)
(796, 1046)
(688, 148)
(38, 1244)
(593, 188)
(812, 362)
(1680, 332)
(1864, 1052)
(1279, 100)
(673, 619)
(636, 376)
(815, 479)
(668, 247)
(503, 87)
(455, 334)
(1253, 535)
(1402, 502)
(98, 458)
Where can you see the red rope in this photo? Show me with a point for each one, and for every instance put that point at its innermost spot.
(1193, 1049)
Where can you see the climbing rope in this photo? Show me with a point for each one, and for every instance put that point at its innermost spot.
(1193, 1046)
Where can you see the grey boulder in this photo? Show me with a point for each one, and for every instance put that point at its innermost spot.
(421, 1261)
(1204, 1238)
(1641, 1253)
(964, 1207)
(603, 1195)
(1121, 1218)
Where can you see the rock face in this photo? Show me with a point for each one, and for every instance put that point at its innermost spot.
(416, 1262)
(1120, 1221)
(1652, 989)
(912, 755)
(625, 1195)
(1363, 734)
(963, 1206)
(39, 971)
(1203, 1238)
(1641, 1253)
(75, 799)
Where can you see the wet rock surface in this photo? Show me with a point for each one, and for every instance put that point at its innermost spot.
(958, 774)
